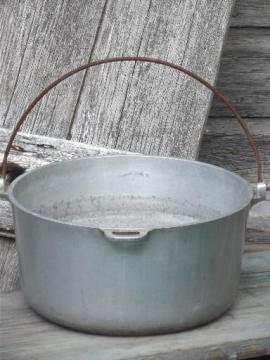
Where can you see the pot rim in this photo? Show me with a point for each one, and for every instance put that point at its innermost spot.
(17, 204)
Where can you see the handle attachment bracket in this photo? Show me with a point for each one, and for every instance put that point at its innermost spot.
(126, 235)
(259, 192)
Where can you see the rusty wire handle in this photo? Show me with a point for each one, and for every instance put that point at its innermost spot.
(216, 92)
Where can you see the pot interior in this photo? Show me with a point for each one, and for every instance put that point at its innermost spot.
(130, 192)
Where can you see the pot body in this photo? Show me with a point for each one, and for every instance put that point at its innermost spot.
(171, 279)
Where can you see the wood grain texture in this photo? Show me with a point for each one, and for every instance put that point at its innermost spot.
(24, 60)
(245, 81)
(17, 17)
(40, 40)
(242, 330)
(153, 101)
(245, 72)
(254, 247)
(251, 13)
(9, 267)
(247, 43)
(249, 90)
(225, 145)
(132, 104)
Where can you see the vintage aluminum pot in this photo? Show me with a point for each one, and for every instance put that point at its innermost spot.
(131, 244)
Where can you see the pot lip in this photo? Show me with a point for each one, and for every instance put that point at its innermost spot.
(17, 204)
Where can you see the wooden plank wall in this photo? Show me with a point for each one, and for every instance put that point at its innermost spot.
(124, 106)
(245, 78)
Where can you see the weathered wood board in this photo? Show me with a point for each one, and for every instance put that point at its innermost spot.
(225, 145)
(243, 332)
(24, 66)
(245, 72)
(129, 106)
(155, 110)
(244, 69)
(252, 13)
(243, 43)
(39, 41)
(9, 267)
(246, 82)
(240, 76)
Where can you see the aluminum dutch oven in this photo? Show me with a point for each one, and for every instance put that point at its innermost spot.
(131, 244)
